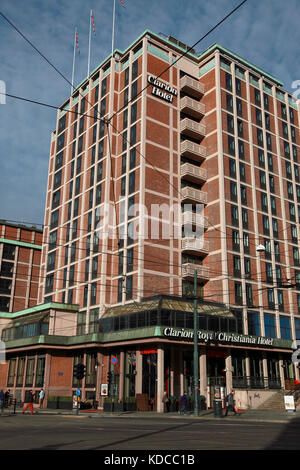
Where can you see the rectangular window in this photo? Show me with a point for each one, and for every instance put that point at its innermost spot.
(270, 330)
(253, 323)
(285, 328)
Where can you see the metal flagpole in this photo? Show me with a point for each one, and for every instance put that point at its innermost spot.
(89, 55)
(73, 69)
(113, 30)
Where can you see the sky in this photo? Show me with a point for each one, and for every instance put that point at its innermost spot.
(265, 32)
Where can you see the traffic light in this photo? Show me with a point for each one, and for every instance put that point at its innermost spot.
(79, 371)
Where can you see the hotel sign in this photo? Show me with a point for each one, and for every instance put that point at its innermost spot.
(222, 337)
(162, 90)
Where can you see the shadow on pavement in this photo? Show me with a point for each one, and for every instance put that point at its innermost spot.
(289, 438)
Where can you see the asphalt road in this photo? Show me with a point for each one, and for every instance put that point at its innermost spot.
(40, 432)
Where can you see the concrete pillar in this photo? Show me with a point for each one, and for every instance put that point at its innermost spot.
(172, 374)
(265, 369)
(281, 372)
(139, 373)
(181, 372)
(160, 379)
(228, 367)
(99, 376)
(203, 373)
(121, 376)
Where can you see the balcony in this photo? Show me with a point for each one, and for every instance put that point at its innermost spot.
(188, 270)
(194, 245)
(192, 107)
(192, 128)
(191, 218)
(193, 195)
(192, 86)
(195, 151)
(193, 173)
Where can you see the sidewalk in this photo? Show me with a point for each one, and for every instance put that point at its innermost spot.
(243, 416)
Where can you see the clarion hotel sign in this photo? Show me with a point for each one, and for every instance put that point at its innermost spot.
(218, 336)
(162, 90)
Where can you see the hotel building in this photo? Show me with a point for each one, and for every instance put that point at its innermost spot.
(152, 135)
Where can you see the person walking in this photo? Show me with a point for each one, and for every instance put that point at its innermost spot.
(29, 402)
(230, 405)
(2, 400)
(6, 398)
(166, 401)
(183, 400)
(41, 398)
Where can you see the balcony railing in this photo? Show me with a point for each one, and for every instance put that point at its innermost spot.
(192, 86)
(193, 173)
(193, 245)
(192, 128)
(256, 382)
(191, 218)
(192, 107)
(188, 270)
(195, 151)
(193, 195)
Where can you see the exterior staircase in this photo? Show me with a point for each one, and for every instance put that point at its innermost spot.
(276, 401)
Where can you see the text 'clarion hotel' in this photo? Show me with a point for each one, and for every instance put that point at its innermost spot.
(147, 129)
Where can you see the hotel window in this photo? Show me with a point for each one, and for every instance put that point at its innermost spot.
(273, 205)
(230, 124)
(240, 127)
(283, 111)
(234, 216)
(253, 323)
(93, 328)
(81, 125)
(233, 191)
(125, 119)
(54, 219)
(266, 101)
(49, 283)
(129, 287)
(126, 76)
(292, 212)
(270, 330)
(264, 202)
(258, 117)
(280, 300)
(242, 172)
(59, 160)
(80, 144)
(238, 293)
(131, 210)
(294, 234)
(124, 141)
(286, 149)
(257, 97)
(238, 87)
(92, 176)
(93, 293)
(236, 266)
(275, 227)
(288, 170)
(241, 148)
(51, 261)
(235, 240)
(266, 225)
(130, 260)
(134, 72)
(260, 140)
(244, 195)
(94, 267)
(99, 171)
(290, 191)
(81, 323)
(297, 175)
(246, 242)
(60, 142)
(133, 135)
(245, 218)
(272, 183)
(285, 131)
(291, 111)
(261, 158)
(132, 158)
(77, 186)
(239, 107)
(228, 79)
(271, 299)
(296, 256)
(101, 129)
(121, 262)
(232, 168)
(247, 264)
(102, 106)
(278, 274)
(131, 187)
(285, 328)
(101, 149)
(87, 270)
(267, 244)
(249, 297)
(52, 240)
(269, 141)
(56, 199)
(269, 273)
(89, 224)
(231, 145)
(229, 102)
(268, 121)
(98, 194)
(293, 134)
(20, 371)
(57, 179)
(133, 113)
(120, 289)
(91, 198)
(297, 279)
(126, 95)
(134, 87)
(262, 179)
(270, 162)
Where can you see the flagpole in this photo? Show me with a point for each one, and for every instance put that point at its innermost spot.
(73, 68)
(113, 30)
(89, 55)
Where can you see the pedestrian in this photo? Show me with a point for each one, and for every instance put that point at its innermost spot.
(41, 398)
(230, 404)
(6, 398)
(166, 401)
(29, 399)
(183, 400)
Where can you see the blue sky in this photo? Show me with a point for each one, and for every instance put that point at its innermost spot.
(265, 32)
